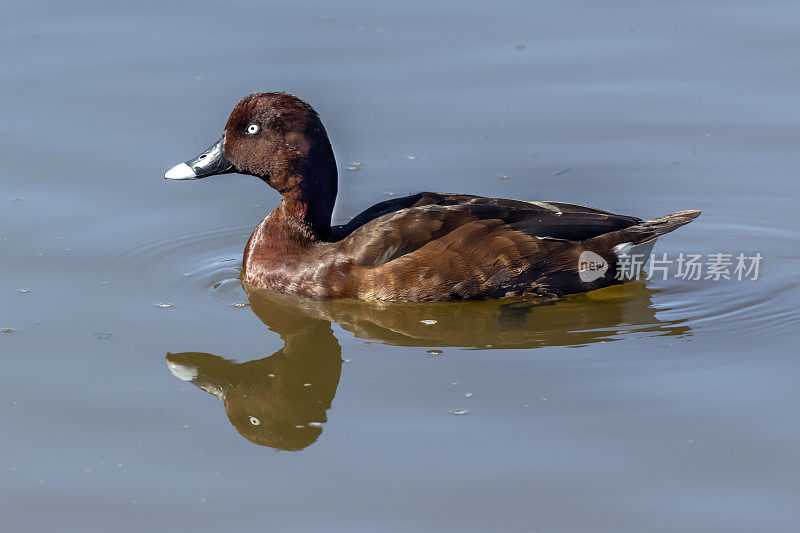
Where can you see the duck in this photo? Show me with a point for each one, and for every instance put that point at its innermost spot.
(425, 247)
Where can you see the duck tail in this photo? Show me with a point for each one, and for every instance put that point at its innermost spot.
(645, 231)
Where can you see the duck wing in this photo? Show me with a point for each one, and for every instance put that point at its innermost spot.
(397, 227)
(489, 259)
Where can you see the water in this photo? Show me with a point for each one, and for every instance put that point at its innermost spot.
(660, 406)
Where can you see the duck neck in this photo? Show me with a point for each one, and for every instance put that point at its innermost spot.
(309, 193)
(307, 212)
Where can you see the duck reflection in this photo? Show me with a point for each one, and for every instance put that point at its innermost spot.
(603, 315)
(281, 401)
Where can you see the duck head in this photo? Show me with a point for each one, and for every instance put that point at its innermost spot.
(280, 139)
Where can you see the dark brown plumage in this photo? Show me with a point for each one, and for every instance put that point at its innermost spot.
(424, 247)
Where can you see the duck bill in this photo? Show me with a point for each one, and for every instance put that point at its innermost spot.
(210, 162)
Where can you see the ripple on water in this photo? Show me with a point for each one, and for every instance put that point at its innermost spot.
(184, 267)
(731, 308)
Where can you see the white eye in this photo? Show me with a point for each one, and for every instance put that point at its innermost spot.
(252, 129)
(253, 420)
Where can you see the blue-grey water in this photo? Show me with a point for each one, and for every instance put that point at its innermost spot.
(132, 362)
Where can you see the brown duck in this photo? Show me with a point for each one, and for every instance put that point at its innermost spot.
(424, 247)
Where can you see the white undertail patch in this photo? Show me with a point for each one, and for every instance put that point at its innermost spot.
(623, 249)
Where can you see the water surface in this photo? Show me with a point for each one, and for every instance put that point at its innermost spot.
(133, 361)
